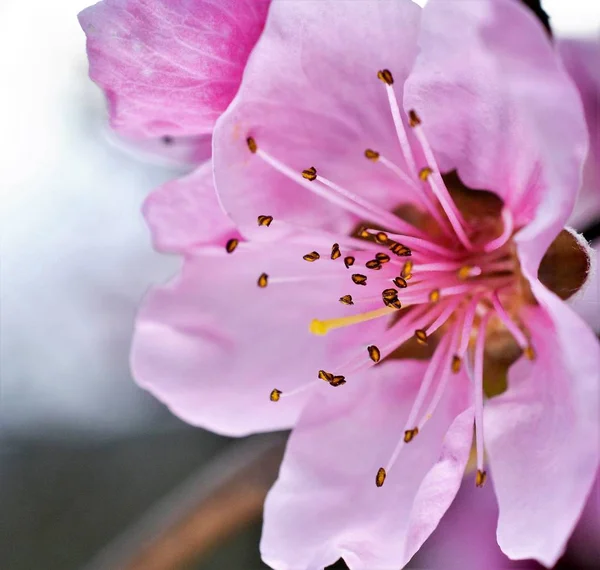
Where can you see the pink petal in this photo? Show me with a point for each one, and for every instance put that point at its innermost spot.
(542, 434)
(185, 213)
(311, 97)
(582, 60)
(325, 504)
(497, 104)
(212, 344)
(586, 302)
(170, 67)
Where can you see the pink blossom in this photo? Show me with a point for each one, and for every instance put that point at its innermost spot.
(348, 113)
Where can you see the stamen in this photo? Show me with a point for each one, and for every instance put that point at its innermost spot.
(480, 478)
(410, 434)
(265, 220)
(275, 395)
(400, 282)
(374, 353)
(382, 257)
(465, 332)
(312, 256)
(337, 381)
(400, 250)
(326, 376)
(380, 477)
(508, 221)
(310, 174)
(413, 119)
(434, 296)
(320, 328)
(386, 76)
(373, 264)
(381, 238)
(456, 364)
(263, 280)
(231, 245)
(421, 336)
(335, 251)
(467, 271)
(389, 294)
(372, 154)
(346, 300)
(407, 270)
(424, 173)
(517, 333)
(359, 279)
(251, 145)
(349, 261)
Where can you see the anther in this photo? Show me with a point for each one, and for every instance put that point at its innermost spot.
(337, 381)
(382, 257)
(275, 395)
(335, 251)
(346, 300)
(326, 376)
(407, 270)
(363, 232)
(310, 173)
(252, 146)
(529, 353)
(359, 279)
(400, 282)
(312, 256)
(456, 364)
(380, 477)
(263, 280)
(410, 434)
(386, 76)
(349, 261)
(394, 303)
(231, 245)
(381, 237)
(465, 272)
(265, 220)
(413, 119)
(389, 294)
(372, 155)
(373, 264)
(421, 336)
(434, 296)
(424, 173)
(374, 353)
(480, 478)
(400, 250)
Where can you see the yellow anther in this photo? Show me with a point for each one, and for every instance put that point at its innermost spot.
(407, 269)
(456, 364)
(421, 336)
(424, 173)
(326, 376)
(386, 76)
(480, 478)
(381, 237)
(335, 251)
(400, 250)
(529, 353)
(380, 477)
(310, 173)
(252, 146)
(312, 256)
(346, 300)
(275, 395)
(373, 264)
(410, 434)
(359, 279)
(349, 261)
(374, 353)
(372, 155)
(263, 280)
(400, 282)
(231, 245)
(321, 328)
(337, 381)
(434, 296)
(465, 272)
(413, 119)
(382, 257)
(389, 294)
(264, 220)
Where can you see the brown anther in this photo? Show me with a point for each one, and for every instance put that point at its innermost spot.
(480, 478)
(413, 119)
(382, 257)
(312, 256)
(275, 395)
(337, 381)
(326, 376)
(456, 364)
(424, 173)
(264, 220)
(335, 251)
(400, 250)
(252, 146)
(407, 270)
(400, 282)
(394, 303)
(380, 477)
(310, 173)
(373, 264)
(434, 296)
(263, 280)
(464, 272)
(410, 434)
(349, 261)
(372, 155)
(359, 279)
(231, 245)
(389, 294)
(381, 237)
(421, 336)
(374, 353)
(346, 300)
(529, 353)
(386, 76)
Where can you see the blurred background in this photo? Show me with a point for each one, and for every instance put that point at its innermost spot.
(94, 473)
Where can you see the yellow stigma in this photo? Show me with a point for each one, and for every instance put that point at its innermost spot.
(321, 328)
